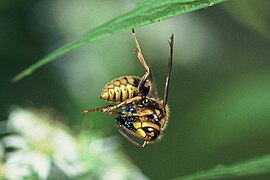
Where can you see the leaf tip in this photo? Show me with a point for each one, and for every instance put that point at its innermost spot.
(20, 76)
(15, 79)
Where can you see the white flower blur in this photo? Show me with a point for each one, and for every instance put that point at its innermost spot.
(39, 143)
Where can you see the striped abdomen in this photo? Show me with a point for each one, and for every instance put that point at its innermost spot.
(123, 88)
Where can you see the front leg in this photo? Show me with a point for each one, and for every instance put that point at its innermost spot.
(142, 60)
(102, 109)
(110, 108)
(140, 113)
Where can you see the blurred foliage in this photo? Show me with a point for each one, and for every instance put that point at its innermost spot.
(145, 13)
(219, 96)
(252, 14)
(256, 166)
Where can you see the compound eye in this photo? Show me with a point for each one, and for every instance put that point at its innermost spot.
(152, 132)
(149, 130)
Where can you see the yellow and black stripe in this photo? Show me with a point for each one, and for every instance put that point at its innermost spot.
(123, 88)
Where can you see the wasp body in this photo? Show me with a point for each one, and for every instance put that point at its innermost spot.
(145, 119)
(140, 113)
(123, 88)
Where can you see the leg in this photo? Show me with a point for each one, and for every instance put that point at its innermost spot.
(153, 90)
(142, 113)
(145, 141)
(109, 109)
(103, 109)
(141, 59)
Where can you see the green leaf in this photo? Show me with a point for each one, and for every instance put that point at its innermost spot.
(252, 167)
(147, 12)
